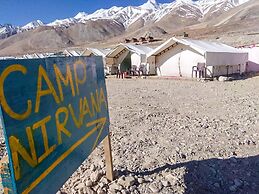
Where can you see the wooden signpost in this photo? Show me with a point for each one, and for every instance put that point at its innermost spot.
(54, 112)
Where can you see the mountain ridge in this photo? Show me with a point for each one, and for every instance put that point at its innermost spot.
(225, 20)
(151, 11)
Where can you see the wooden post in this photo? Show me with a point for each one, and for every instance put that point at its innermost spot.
(108, 158)
(5, 177)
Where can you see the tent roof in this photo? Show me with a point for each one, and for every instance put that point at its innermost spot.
(96, 51)
(139, 49)
(200, 46)
(71, 53)
(36, 55)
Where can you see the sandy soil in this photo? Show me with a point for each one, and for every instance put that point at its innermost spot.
(178, 136)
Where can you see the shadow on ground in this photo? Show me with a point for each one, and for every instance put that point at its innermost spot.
(219, 176)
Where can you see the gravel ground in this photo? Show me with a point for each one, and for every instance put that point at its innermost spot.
(3, 151)
(177, 136)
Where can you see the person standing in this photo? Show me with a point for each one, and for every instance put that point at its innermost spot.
(118, 75)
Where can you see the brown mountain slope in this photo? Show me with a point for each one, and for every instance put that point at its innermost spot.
(93, 31)
(37, 40)
(178, 19)
(49, 39)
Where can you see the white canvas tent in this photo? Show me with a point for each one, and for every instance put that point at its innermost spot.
(7, 57)
(98, 52)
(95, 52)
(253, 59)
(130, 56)
(186, 57)
(37, 55)
(71, 53)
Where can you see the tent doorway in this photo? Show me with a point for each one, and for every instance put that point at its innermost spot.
(126, 63)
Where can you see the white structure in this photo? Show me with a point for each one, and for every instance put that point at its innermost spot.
(71, 53)
(129, 56)
(95, 52)
(253, 58)
(188, 58)
(37, 55)
(7, 57)
(98, 52)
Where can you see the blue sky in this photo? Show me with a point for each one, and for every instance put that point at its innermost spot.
(20, 12)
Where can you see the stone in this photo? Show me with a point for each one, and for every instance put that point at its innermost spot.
(116, 173)
(141, 180)
(183, 156)
(92, 167)
(223, 78)
(135, 192)
(104, 180)
(148, 179)
(126, 181)
(95, 176)
(89, 191)
(238, 182)
(155, 187)
(101, 191)
(59, 192)
(101, 184)
(75, 179)
(172, 179)
(165, 183)
(88, 183)
(121, 180)
(123, 191)
(233, 188)
(115, 187)
(81, 191)
(133, 188)
(80, 186)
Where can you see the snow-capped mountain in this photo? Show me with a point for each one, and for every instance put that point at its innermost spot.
(63, 22)
(124, 15)
(207, 6)
(32, 25)
(80, 15)
(197, 9)
(154, 12)
(7, 30)
(150, 5)
(149, 12)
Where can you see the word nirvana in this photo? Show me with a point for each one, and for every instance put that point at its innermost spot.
(77, 109)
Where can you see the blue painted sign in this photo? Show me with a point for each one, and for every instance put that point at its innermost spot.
(54, 113)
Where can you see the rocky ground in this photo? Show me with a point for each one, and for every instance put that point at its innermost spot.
(3, 151)
(177, 136)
